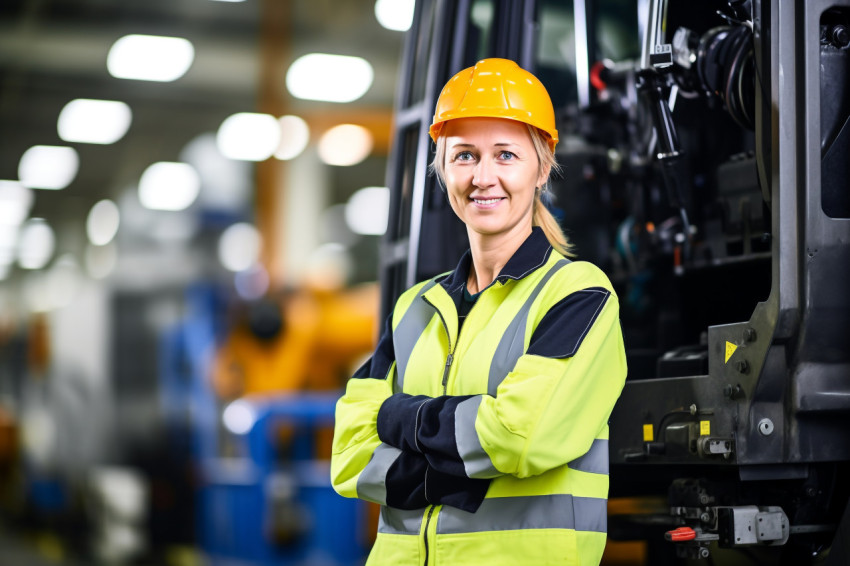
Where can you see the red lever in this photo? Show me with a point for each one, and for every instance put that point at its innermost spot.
(681, 534)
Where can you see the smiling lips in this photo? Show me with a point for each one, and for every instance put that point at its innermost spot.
(487, 201)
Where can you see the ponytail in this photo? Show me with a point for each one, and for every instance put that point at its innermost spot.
(541, 216)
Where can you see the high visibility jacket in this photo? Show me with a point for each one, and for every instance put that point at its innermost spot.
(488, 445)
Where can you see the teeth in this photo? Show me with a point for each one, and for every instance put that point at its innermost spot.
(486, 201)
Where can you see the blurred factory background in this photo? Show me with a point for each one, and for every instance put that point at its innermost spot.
(191, 201)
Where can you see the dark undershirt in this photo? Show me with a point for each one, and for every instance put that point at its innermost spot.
(466, 303)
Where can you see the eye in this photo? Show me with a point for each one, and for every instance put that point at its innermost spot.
(464, 156)
(506, 155)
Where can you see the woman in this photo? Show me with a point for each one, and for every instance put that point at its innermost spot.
(480, 424)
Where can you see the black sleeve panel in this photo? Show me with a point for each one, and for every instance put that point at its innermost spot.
(405, 481)
(564, 326)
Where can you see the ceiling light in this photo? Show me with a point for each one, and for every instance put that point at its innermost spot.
(35, 244)
(248, 136)
(396, 15)
(169, 186)
(294, 135)
(15, 203)
(239, 247)
(367, 211)
(150, 58)
(102, 222)
(94, 121)
(329, 78)
(48, 167)
(346, 144)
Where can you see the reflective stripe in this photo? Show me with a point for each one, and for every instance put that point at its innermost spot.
(372, 482)
(408, 331)
(476, 461)
(399, 521)
(512, 344)
(532, 512)
(595, 460)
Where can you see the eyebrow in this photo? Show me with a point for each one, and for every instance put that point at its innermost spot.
(499, 144)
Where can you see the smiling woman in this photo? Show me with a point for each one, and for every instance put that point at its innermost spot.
(480, 422)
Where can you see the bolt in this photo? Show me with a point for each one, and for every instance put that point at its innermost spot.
(765, 427)
(727, 390)
(704, 517)
(749, 334)
(703, 553)
(743, 366)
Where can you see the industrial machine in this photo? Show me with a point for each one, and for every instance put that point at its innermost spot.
(706, 168)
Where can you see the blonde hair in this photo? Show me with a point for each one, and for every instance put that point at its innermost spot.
(540, 215)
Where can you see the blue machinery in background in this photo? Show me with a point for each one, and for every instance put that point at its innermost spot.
(270, 501)
(262, 492)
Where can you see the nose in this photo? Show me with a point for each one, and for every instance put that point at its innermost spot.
(484, 174)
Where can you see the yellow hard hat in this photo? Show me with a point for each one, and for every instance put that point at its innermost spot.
(496, 88)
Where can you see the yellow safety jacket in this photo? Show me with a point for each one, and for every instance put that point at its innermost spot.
(488, 445)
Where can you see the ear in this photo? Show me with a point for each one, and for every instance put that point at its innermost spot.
(544, 174)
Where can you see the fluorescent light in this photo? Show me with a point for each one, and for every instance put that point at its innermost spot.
(102, 222)
(294, 136)
(48, 167)
(248, 136)
(367, 211)
(35, 244)
(329, 78)
(150, 58)
(15, 203)
(396, 15)
(94, 121)
(346, 144)
(169, 186)
(239, 247)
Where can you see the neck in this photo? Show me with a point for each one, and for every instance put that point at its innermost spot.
(490, 253)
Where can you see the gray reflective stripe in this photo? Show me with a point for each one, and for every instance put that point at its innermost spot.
(476, 461)
(372, 482)
(532, 512)
(408, 331)
(512, 344)
(399, 521)
(595, 460)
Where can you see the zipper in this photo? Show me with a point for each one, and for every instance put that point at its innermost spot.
(427, 523)
(449, 359)
(450, 356)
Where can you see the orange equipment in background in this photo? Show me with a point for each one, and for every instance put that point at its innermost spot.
(310, 340)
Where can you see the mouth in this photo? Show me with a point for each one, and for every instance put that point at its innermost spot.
(486, 201)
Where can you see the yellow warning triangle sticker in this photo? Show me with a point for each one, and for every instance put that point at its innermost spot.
(730, 349)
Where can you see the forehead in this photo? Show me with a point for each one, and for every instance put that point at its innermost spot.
(486, 131)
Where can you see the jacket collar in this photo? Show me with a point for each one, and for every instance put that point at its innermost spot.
(531, 254)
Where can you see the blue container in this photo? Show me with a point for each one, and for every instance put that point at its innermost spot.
(270, 502)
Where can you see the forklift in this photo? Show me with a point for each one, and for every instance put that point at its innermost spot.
(705, 148)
